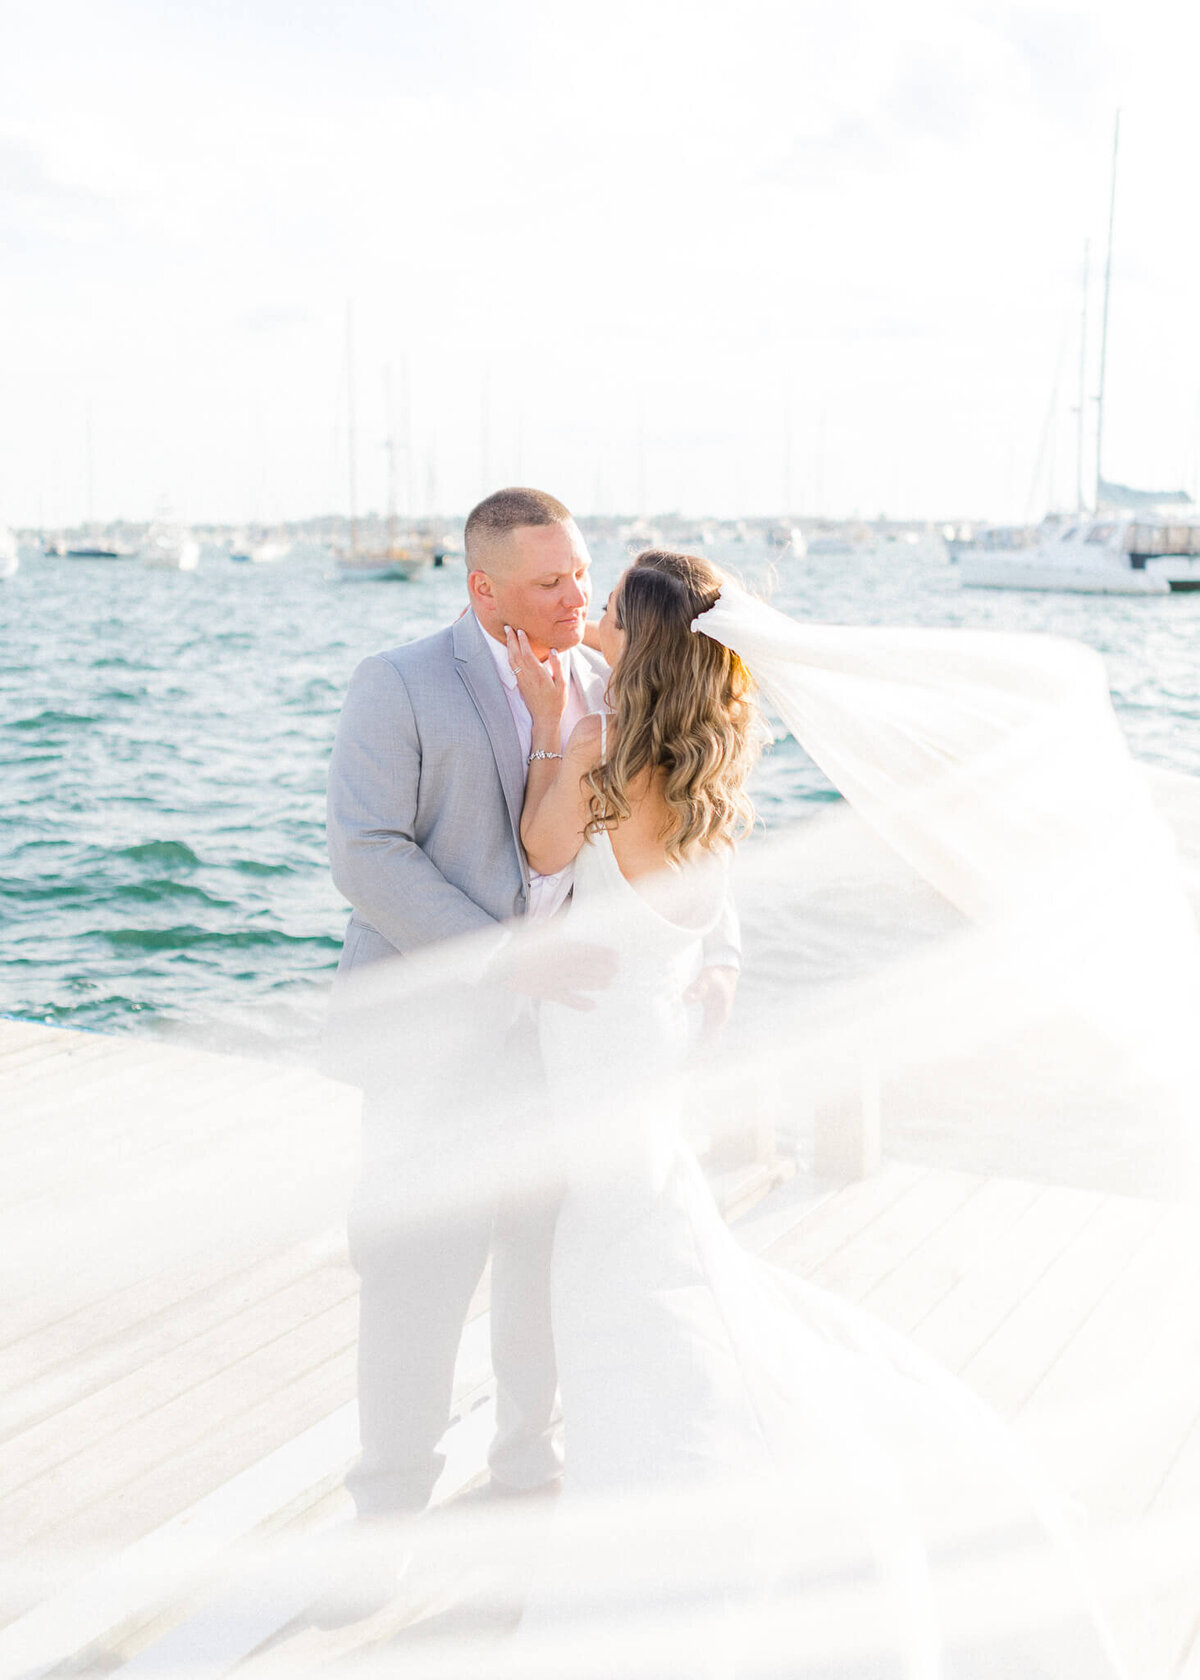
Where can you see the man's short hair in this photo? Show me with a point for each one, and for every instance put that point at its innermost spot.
(508, 510)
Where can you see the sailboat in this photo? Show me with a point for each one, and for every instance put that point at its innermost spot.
(403, 558)
(1136, 542)
(169, 547)
(99, 548)
(9, 558)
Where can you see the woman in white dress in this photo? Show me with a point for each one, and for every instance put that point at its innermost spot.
(749, 1438)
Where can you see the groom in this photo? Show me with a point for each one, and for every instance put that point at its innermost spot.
(426, 784)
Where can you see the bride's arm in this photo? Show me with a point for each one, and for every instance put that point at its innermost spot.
(554, 816)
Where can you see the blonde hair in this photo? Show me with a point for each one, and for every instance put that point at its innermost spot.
(682, 706)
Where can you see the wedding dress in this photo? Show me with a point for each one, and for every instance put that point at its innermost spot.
(766, 1436)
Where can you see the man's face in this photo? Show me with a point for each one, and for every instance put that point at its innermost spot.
(535, 579)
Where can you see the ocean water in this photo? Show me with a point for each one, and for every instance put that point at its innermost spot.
(164, 740)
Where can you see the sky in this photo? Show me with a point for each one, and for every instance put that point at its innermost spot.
(764, 257)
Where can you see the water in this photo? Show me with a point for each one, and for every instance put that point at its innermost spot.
(164, 740)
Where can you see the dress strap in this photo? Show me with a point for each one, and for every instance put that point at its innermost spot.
(603, 735)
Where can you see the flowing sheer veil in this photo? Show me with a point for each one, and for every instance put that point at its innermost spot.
(984, 953)
(993, 765)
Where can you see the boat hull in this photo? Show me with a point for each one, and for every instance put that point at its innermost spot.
(174, 557)
(370, 571)
(979, 572)
(1097, 556)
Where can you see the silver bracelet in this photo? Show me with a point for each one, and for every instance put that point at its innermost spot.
(541, 754)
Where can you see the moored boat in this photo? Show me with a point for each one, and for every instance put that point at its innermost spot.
(1123, 553)
(403, 561)
(260, 551)
(100, 550)
(169, 548)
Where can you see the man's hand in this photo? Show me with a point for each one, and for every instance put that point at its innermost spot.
(713, 989)
(559, 972)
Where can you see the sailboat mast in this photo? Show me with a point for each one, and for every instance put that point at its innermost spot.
(90, 467)
(1081, 411)
(351, 440)
(1112, 205)
(391, 459)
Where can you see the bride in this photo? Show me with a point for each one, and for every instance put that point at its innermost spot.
(746, 1436)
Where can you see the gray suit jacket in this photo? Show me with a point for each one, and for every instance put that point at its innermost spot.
(426, 786)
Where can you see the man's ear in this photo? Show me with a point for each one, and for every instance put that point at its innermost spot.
(479, 587)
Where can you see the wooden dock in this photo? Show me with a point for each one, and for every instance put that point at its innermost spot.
(151, 1417)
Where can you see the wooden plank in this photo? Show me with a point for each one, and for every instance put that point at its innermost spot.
(955, 1328)
(895, 1234)
(120, 1330)
(151, 1106)
(1188, 1661)
(1153, 1628)
(778, 1215)
(840, 1218)
(161, 1446)
(305, 1153)
(903, 1295)
(126, 1589)
(143, 1387)
(66, 1083)
(110, 1604)
(24, 1068)
(19, 1035)
(71, 1315)
(224, 1634)
(1180, 1487)
(70, 1095)
(120, 1515)
(1008, 1365)
(111, 1147)
(1097, 1413)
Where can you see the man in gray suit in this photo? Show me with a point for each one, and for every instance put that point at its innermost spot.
(426, 786)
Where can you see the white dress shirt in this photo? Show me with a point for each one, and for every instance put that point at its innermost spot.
(546, 892)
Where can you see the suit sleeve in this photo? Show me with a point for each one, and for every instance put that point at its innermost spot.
(723, 945)
(377, 865)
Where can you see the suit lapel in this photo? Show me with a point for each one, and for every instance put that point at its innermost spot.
(477, 669)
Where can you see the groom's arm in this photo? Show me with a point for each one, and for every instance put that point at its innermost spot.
(723, 943)
(377, 865)
(715, 985)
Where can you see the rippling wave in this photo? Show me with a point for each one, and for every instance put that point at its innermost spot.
(164, 740)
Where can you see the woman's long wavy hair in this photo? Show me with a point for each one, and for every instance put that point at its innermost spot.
(682, 705)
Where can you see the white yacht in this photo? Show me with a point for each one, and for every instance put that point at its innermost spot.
(169, 548)
(1109, 553)
(9, 558)
(263, 550)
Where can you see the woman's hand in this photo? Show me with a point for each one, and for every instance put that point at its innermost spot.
(543, 687)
